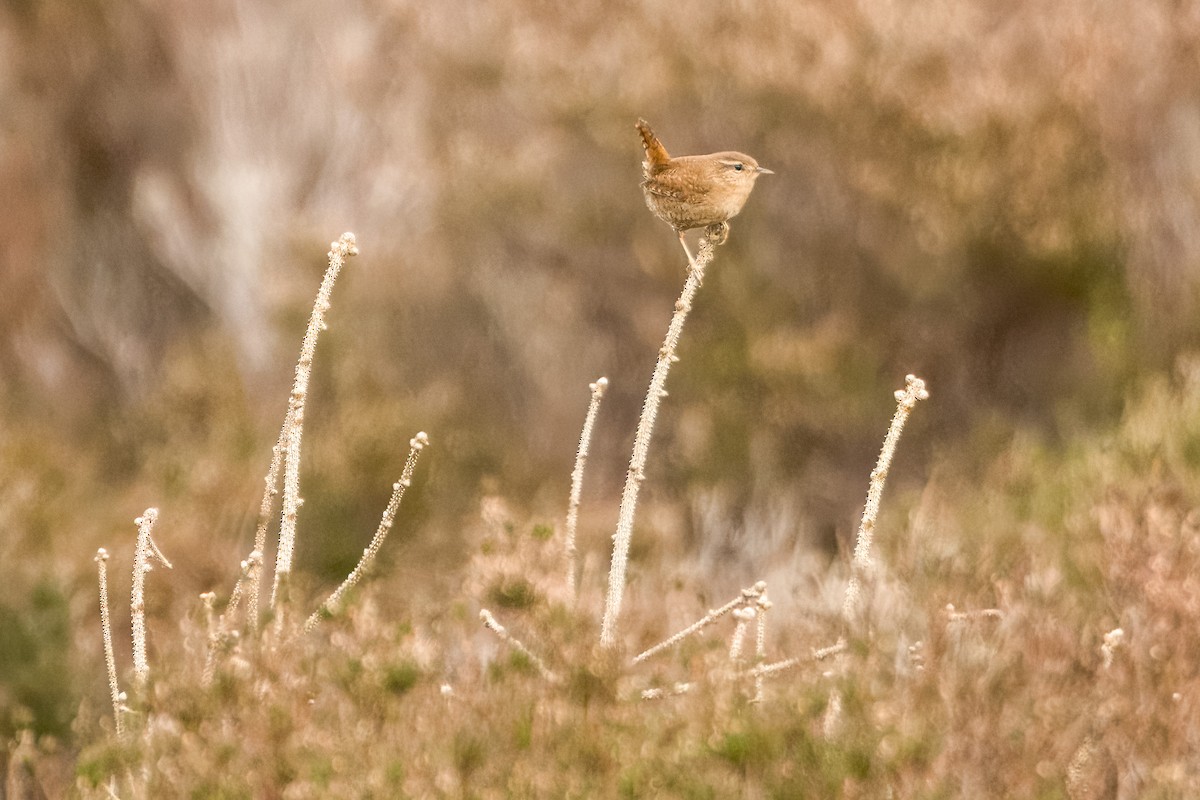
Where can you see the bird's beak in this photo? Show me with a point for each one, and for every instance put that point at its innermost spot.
(765, 171)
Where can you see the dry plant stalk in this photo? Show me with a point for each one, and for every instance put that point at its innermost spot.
(585, 439)
(495, 627)
(747, 597)
(220, 631)
(762, 670)
(1078, 768)
(954, 615)
(143, 552)
(339, 251)
(760, 644)
(831, 721)
(212, 636)
(837, 648)
(641, 443)
(744, 617)
(658, 693)
(416, 445)
(265, 509)
(906, 398)
(251, 569)
(1112, 640)
(110, 660)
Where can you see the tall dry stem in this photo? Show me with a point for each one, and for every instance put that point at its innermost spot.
(143, 552)
(906, 399)
(110, 661)
(641, 443)
(294, 423)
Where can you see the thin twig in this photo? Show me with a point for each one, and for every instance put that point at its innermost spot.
(658, 693)
(415, 445)
(763, 670)
(748, 595)
(954, 615)
(495, 627)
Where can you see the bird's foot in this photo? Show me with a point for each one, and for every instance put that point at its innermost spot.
(717, 233)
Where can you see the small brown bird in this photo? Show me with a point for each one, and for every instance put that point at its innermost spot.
(696, 191)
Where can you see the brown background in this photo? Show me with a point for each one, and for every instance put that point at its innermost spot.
(1002, 198)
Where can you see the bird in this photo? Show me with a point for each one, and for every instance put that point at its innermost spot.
(690, 192)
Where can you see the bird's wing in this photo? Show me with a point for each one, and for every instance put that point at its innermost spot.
(661, 189)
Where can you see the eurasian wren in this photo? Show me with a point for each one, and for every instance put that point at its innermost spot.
(696, 191)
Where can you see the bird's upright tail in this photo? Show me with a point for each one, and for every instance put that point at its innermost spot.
(656, 154)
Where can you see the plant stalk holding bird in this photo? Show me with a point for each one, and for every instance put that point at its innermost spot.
(686, 192)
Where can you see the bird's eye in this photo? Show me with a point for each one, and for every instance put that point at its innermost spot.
(738, 167)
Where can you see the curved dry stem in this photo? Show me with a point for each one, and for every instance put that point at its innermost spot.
(581, 455)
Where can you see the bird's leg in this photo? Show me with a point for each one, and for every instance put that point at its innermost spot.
(683, 244)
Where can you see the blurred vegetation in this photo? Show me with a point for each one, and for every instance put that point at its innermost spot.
(1021, 703)
(36, 679)
(1003, 199)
